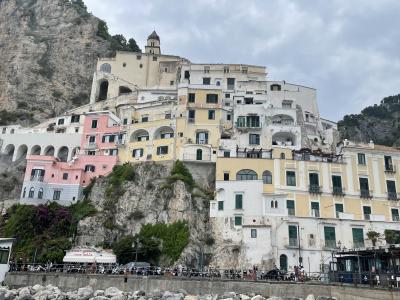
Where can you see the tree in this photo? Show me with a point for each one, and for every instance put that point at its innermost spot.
(123, 249)
(133, 46)
(373, 236)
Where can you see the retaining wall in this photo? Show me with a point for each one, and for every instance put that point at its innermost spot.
(197, 287)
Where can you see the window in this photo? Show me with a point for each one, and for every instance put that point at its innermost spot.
(75, 118)
(290, 207)
(76, 129)
(24, 193)
(330, 237)
(211, 114)
(4, 255)
(367, 212)
(337, 185)
(56, 195)
(91, 152)
(206, 80)
(154, 58)
(138, 57)
(290, 178)
(108, 138)
(40, 194)
(65, 176)
(89, 168)
(166, 135)
(388, 163)
(92, 139)
(94, 123)
(212, 98)
(227, 153)
(292, 235)
(60, 121)
(31, 192)
(238, 220)
(112, 152)
(199, 154)
(191, 115)
(244, 70)
(238, 201)
(267, 177)
(230, 83)
(364, 187)
(141, 66)
(253, 121)
(226, 176)
(241, 122)
(192, 97)
(246, 174)
(338, 209)
(226, 69)
(395, 214)
(254, 139)
(202, 138)
(358, 237)
(145, 118)
(275, 87)
(391, 189)
(125, 121)
(137, 153)
(253, 233)
(220, 205)
(142, 138)
(228, 117)
(171, 82)
(314, 183)
(315, 209)
(124, 65)
(162, 150)
(227, 95)
(361, 158)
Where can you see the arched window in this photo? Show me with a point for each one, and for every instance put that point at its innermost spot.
(276, 204)
(31, 192)
(272, 203)
(275, 87)
(282, 155)
(246, 174)
(283, 262)
(103, 90)
(267, 177)
(106, 68)
(90, 168)
(24, 193)
(40, 194)
(199, 154)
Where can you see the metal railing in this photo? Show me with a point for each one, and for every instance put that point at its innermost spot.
(37, 178)
(392, 196)
(314, 189)
(365, 194)
(390, 168)
(337, 191)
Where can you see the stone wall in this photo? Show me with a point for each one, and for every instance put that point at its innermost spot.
(68, 282)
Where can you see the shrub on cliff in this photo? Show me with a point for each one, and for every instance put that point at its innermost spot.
(43, 232)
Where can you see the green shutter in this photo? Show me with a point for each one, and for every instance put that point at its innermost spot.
(238, 221)
(358, 237)
(315, 205)
(330, 236)
(290, 204)
(292, 232)
(239, 201)
(220, 205)
(367, 210)
(336, 181)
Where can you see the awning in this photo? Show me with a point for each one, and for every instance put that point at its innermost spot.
(90, 255)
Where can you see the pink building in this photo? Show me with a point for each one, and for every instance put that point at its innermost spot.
(49, 179)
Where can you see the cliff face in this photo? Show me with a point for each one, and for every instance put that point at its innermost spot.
(48, 51)
(379, 123)
(150, 198)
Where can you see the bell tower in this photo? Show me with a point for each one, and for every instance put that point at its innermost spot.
(153, 44)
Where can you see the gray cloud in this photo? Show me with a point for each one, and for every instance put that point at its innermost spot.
(347, 50)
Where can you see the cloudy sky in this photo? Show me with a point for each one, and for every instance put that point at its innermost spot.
(349, 50)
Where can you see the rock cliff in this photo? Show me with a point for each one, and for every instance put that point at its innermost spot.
(379, 123)
(149, 197)
(48, 51)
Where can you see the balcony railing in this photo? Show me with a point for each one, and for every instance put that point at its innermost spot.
(191, 120)
(314, 189)
(293, 242)
(291, 211)
(37, 178)
(390, 169)
(367, 217)
(358, 244)
(337, 191)
(315, 213)
(330, 244)
(365, 194)
(392, 196)
(91, 145)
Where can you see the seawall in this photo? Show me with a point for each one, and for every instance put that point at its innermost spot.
(198, 287)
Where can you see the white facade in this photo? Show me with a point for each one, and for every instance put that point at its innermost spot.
(5, 251)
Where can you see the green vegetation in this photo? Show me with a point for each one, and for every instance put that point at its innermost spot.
(157, 243)
(392, 236)
(11, 117)
(43, 232)
(379, 123)
(373, 236)
(115, 190)
(117, 42)
(180, 172)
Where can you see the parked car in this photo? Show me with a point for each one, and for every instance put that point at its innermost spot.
(275, 274)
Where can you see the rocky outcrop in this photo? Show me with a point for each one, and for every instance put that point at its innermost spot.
(48, 51)
(11, 177)
(151, 198)
(379, 123)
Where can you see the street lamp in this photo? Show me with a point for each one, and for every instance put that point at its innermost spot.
(339, 245)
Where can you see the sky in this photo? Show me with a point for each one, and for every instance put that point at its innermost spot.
(349, 50)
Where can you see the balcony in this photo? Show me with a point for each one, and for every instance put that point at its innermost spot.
(244, 125)
(389, 168)
(191, 120)
(91, 145)
(337, 191)
(367, 217)
(315, 213)
(293, 242)
(366, 194)
(330, 244)
(37, 178)
(392, 196)
(314, 189)
(358, 244)
(291, 211)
